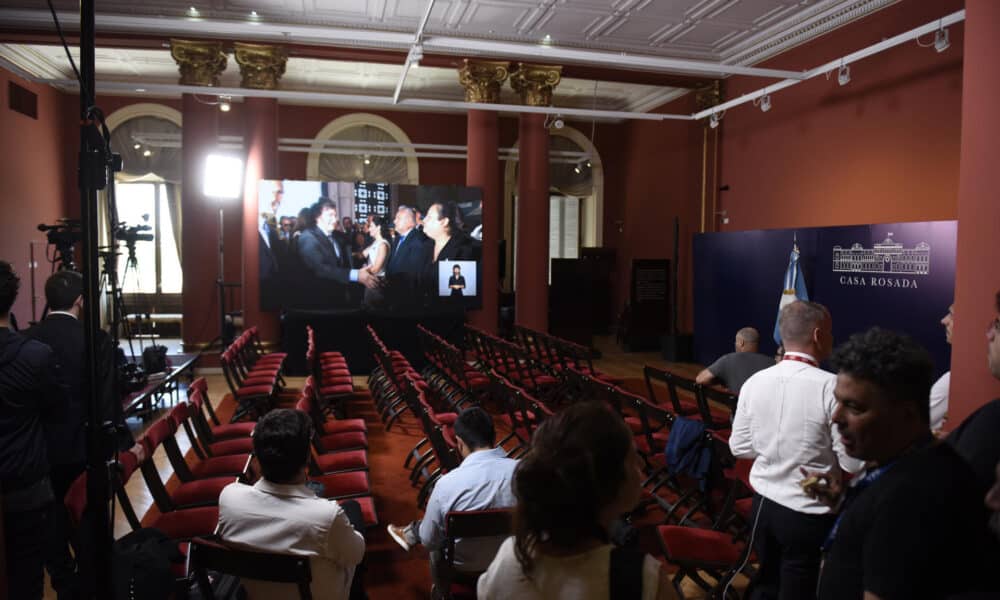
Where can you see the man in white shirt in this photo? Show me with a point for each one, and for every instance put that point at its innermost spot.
(784, 422)
(482, 481)
(280, 514)
(939, 391)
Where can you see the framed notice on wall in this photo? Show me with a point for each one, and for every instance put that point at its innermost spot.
(650, 301)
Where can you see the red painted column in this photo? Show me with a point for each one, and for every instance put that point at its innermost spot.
(199, 225)
(531, 277)
(482, 170)
(977, 277)
(260, 140)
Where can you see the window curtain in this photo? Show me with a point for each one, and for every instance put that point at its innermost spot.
(352, 167)
(174, 209)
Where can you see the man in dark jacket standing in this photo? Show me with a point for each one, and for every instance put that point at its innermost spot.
(62, 331)
(30, 397)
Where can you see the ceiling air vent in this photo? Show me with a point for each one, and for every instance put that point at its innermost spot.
(22, 100)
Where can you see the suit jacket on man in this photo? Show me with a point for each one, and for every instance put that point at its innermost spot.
(329, 276)
(64, 334)
(405, 269)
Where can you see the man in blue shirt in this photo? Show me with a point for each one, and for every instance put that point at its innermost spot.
(482, 481)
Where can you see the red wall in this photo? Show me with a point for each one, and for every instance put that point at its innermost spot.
(30, 193)
(883, 148)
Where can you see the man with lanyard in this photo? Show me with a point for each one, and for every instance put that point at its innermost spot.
(913, 525)
(784, 421)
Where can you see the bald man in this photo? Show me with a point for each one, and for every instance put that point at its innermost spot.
(736, 367)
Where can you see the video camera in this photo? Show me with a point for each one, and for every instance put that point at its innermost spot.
(131, 235)
(64, 233)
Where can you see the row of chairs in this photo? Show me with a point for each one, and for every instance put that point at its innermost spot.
(253, 377)
(559, 353)
(512, 362)
(330, 372)
(396, 388)
(712, 405)
(457, 381)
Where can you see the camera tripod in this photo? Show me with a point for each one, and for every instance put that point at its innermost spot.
(109, 260)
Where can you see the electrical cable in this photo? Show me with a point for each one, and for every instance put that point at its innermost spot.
(749, 550)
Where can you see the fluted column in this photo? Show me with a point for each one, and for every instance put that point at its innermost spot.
(535, 84)
(482, 81)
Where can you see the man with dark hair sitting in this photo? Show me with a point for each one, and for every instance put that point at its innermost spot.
(482, 481)
(912, 525)
(31, 397)
(280, 514)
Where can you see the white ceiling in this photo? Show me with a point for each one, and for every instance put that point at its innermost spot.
(730, 32)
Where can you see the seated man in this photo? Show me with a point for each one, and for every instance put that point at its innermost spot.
(732, 369)
(917, 493)
(280, 514)
(481, 482)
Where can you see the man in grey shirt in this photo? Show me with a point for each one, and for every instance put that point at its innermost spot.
(482, 481)
(734, 368)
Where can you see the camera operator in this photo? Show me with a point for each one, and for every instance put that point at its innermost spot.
(31, 397)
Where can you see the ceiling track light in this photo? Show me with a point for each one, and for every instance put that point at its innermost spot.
(225, 103)
(765, 103)
(416, 55)
(367, 160)
(941, 40)
(713, 121)
(844, 74)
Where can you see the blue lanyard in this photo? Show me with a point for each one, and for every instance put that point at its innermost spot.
(866, 481)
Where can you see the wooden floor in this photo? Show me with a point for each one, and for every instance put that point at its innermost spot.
(613, 361)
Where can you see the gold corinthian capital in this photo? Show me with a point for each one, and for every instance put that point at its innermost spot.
(200, 63)
(482, 79)
(535, 83)
(261, 66)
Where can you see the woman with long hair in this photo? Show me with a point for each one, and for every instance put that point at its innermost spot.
(443, 225)
(580, 475)
(377, 256)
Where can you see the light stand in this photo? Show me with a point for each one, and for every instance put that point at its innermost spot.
(223, 181)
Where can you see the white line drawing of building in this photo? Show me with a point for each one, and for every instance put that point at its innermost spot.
(887, 256)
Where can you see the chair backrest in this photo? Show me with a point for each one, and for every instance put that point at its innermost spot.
(492, 523)
(205, 555)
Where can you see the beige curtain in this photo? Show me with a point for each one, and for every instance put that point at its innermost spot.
(352, 167)
(174, 209)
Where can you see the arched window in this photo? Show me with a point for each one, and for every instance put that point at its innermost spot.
(583, 185)
(391, 161)
(148, 192)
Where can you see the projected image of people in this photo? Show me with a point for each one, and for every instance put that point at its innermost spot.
(389, 248)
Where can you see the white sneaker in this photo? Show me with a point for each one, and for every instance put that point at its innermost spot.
(402, 536)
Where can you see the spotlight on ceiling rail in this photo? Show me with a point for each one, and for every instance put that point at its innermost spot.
(713, 121)
(844, 75)
(941, 40)
(765, 103)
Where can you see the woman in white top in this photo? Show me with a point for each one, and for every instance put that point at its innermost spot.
(377, 256)
(581, 473)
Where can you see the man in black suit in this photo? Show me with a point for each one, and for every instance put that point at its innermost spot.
(328, 259)
(62, 331)
(411, 253)
(32, 398)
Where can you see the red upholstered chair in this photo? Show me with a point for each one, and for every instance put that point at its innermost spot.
(197, 492)
(209, 444)
(328, 423)
(219, 430)
(177, 524)
(467, 525)
(201, 466)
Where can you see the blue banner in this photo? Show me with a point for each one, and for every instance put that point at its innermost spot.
(899, 276)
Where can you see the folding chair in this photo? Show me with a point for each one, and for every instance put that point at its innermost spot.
(494, 523)
(205, 555)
